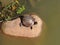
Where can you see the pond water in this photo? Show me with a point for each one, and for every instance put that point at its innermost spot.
(49, 12)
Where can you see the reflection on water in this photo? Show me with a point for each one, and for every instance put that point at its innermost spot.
(49, 11)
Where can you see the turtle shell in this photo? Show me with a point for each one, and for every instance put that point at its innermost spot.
(28, 20)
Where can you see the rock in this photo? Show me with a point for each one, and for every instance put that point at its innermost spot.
(13, 28)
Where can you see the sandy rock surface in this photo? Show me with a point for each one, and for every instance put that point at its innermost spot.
(13, 28)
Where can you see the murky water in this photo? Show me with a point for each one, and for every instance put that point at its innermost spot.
(49, 11)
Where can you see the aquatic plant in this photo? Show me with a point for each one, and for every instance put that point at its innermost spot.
(11, 10)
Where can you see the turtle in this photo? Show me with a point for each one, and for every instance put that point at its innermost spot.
(27, 21)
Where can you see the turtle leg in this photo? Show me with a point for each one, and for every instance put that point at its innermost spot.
(35, 23)
(31, 27)
(21, 18)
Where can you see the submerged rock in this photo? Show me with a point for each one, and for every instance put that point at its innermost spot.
(13, 28)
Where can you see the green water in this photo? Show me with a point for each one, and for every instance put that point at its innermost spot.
(49, 11)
